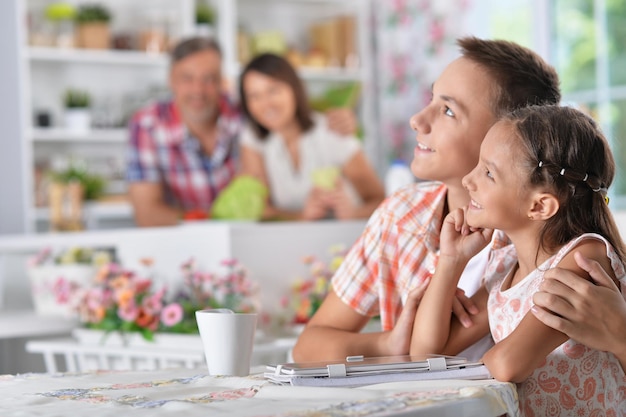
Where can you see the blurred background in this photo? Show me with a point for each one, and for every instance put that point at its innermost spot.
(74, 71)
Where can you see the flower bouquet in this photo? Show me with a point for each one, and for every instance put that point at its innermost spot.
(308, 294)
(119, 300)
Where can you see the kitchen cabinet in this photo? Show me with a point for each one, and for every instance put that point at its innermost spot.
(119, 81)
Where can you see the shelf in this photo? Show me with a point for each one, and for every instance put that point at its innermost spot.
(320, 73)
(92, 56)
(95, 210)
(92, 136)
(28, 324)
(330, 74)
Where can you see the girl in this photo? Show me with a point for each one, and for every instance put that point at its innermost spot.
(542, 178)
(286, 146)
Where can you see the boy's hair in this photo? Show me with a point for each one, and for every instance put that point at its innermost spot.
(565, 152)
(280, 69)
(191, 46)
(521, 76)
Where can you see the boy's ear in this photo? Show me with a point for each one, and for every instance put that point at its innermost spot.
(544, 206)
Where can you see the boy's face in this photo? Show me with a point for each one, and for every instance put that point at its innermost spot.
(452, 126)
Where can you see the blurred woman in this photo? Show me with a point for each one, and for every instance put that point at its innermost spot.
(311, 171)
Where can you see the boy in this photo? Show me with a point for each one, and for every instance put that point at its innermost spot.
(389, 266)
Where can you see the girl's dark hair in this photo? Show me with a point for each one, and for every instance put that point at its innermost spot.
(278, 68)
(566, 153)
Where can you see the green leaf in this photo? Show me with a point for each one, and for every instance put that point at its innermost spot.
(243, 199)
(89, 13)
(60, 11)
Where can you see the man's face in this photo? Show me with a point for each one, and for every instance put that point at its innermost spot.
(452, 126)
(195, 84)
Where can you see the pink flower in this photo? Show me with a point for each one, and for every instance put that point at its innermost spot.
(63, 290)
(189, 264)
(172, 314)
(129, 312)
(154, 303)
(229, 262)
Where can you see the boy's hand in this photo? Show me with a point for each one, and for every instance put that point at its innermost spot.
(463, 308)
(593, 313)
(398, 340)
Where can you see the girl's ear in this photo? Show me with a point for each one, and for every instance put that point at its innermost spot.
(544, 206)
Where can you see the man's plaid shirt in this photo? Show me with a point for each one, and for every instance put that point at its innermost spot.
(162, 150)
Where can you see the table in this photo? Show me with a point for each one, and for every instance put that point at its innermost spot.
(192, 393)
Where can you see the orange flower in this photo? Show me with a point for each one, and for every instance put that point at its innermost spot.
(147, 262)
(147, 320)
(124, 296)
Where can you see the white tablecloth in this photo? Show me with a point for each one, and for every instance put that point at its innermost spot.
(193, 393)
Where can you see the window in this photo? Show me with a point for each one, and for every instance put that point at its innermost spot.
(585, 40)
(589, 39)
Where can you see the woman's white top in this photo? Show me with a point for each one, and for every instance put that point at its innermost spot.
(319, 147)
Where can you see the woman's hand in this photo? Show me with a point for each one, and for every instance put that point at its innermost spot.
(459, 240)
(339, 201)
(342, 120)
(315, 207)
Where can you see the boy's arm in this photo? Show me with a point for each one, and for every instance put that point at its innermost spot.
(334, 332)
(518, 355)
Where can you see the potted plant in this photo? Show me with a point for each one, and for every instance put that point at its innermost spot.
(77, 113)
(92, 184)
(205, 19)
(93, 26)
(67, 191)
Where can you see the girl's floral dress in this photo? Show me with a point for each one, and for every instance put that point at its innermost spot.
(574, 380)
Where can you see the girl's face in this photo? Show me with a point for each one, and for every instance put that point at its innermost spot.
(498, 186)
(271, 102)
(452, 126)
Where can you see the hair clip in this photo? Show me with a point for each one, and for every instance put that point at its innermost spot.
(586, 177)
(606, 199)
(562, 171)
(540, 164)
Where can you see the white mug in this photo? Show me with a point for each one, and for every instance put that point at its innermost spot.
(228, 339)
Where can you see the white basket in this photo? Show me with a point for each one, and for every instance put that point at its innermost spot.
(43, 279)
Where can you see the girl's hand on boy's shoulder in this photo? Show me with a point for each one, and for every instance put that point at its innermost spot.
(460, 240)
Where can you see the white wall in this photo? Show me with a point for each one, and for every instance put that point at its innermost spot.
(12, 182)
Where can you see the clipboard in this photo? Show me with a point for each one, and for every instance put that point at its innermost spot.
(358, 370)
